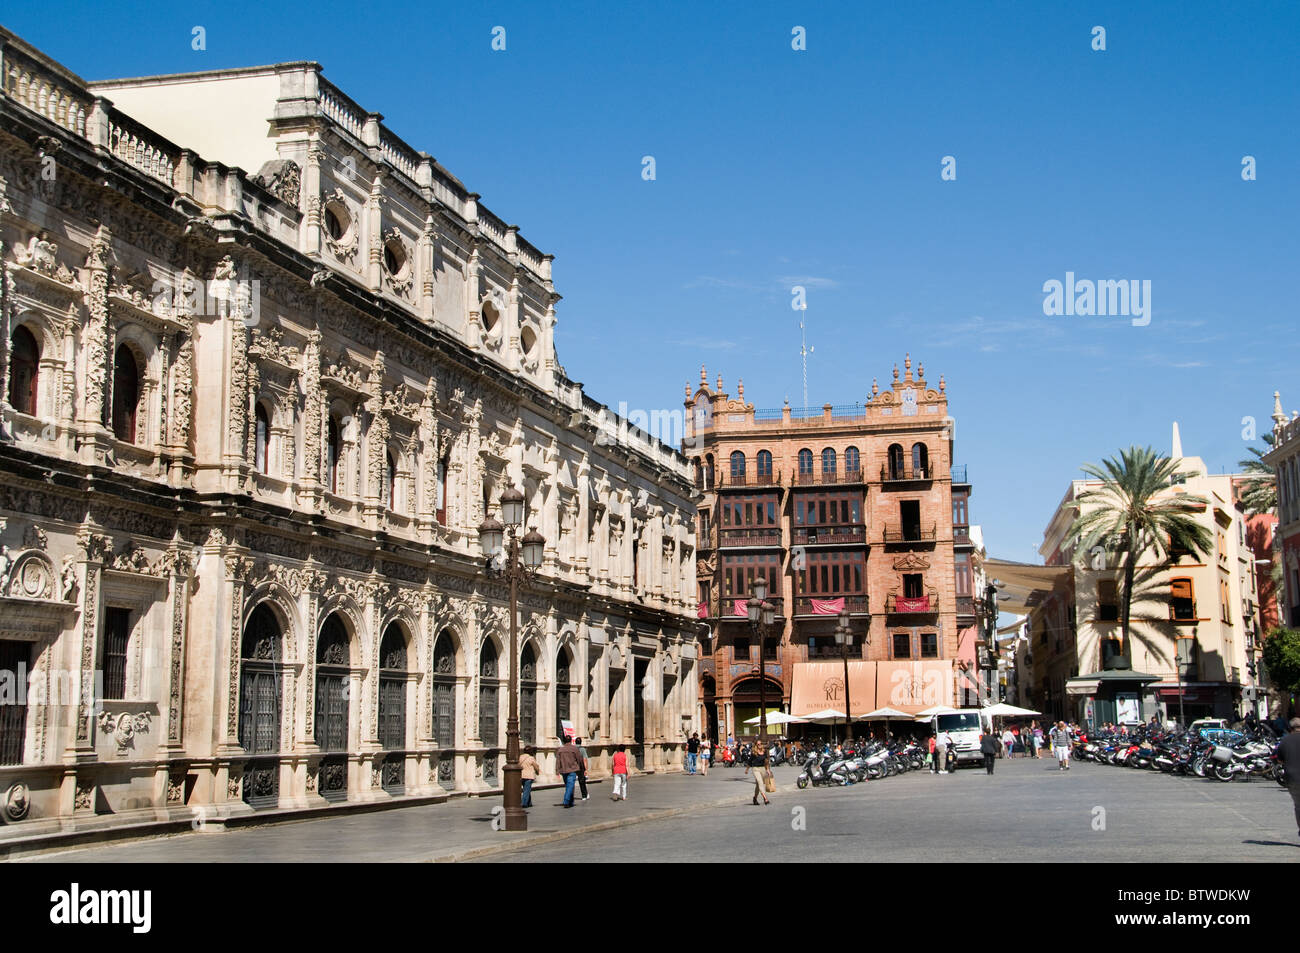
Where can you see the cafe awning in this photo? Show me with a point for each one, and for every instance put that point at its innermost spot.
(820, 685)
(1024, 585)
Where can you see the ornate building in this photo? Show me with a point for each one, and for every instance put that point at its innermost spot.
(844, 509)
(251, 425)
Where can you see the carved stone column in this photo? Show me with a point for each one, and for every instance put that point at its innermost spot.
(93, 439)
(181, 568)
(313, 425)
(96, 549)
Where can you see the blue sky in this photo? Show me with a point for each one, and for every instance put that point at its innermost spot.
(822, 168)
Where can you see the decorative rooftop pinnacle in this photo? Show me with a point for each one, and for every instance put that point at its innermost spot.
(875, 388)
(941, 384)
(740, 387)
(688, 390)
(719, 383)
(1279, 416)
(920, 371)
(895, 373)
(704, 377)
(907, 366)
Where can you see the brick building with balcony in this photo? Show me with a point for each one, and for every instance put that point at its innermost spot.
(853, 510)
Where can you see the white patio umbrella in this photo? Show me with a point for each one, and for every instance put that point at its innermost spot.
(1010, 711)
(777, 718)
(886, 714)
(933, 710)
(827, 716)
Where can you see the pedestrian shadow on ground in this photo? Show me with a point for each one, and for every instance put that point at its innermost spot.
(1270, 843)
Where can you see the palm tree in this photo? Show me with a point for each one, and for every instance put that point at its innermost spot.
(1133, 513)
(1259, 495)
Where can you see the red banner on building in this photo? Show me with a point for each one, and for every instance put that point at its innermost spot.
(702, 610)
(827, 606)
(919, 604)
(741, 607)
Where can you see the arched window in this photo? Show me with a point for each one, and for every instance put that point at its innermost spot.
(260, 454)
(440, 493)
(828, 462)
(488, 689)
(528, 696)
(562, 690)
(805, 462)
(259, 683)
(392, 689)
(126, 394)
(765, 465)
(24, 368)
(332, 659)
(920, 461)
(333, 447)
(709, 472)
(444, 692)
(737, 467)
(895, 461)
(852, 462)
(390, 481)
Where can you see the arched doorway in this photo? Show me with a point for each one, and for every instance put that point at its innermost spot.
(331, 728)
(708, 698)
(745, 704)
(528, 696)
(489, 721)
(260, 673)
(392, 707)
(563, 691)
(444, 707)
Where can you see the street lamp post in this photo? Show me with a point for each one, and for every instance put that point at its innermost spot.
(1178, 666)
(844, 636)
(761, 614)
(521, 560)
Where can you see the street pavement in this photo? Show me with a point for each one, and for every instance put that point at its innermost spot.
(455, 830)
(1027, 811)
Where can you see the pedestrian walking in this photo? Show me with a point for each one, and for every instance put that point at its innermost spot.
(931, 759)
(1008, 744)
(989, 748)
(620, 774)
(586, 766)
(528, 772)
(692, 752)
(568, 762)
(1288, 752)
(706, 756)
(1038, 740)
(1061, 746)
(758, 763)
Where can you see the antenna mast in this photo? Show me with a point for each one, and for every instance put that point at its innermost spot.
(804, 351)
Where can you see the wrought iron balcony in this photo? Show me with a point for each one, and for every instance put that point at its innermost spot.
(804, 605)
(766, 536)
(837, 534)
(927, 604)
(958, 473)
(748, 479)
(909, 534)
(905, 474)
(729, 614)
(828, 478)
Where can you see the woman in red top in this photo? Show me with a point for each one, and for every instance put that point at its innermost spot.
(620, 774)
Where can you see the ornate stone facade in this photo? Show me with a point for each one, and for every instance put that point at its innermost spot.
(244, 470)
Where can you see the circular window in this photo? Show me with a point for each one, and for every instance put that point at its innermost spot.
(394, 257)
(528, 340)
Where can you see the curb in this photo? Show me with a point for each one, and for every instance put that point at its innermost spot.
(474, 853)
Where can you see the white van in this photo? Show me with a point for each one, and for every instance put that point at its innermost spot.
(966, 728)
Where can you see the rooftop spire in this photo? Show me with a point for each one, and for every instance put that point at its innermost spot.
(1177, 450)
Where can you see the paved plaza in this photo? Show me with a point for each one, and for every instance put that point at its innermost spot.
(1027, 811)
